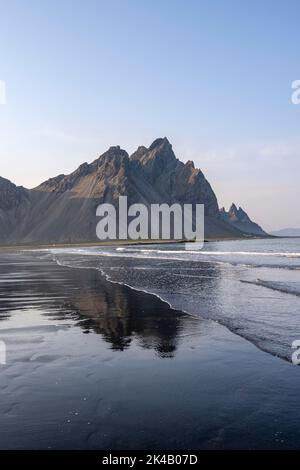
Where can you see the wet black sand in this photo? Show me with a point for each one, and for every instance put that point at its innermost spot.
(95, 365)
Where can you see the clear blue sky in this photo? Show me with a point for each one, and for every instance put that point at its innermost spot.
(213, 76)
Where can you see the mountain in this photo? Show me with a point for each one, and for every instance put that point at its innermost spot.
(239, 219)
(63, 208)
(286, 232)
(14, 204)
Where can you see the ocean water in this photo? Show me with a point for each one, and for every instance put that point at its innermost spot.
(92, 364)
(250, 286)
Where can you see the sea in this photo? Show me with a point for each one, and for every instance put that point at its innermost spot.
(250, 286)
(150, 346)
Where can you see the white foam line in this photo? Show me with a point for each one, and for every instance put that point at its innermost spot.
(126, 251)
(109, 279)
(214, 253)
(228, 327)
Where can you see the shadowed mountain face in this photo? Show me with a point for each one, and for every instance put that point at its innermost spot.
(63, 209)
(14, 205)
(238, 218)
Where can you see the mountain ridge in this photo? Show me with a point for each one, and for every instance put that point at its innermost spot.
(62, 209)
(237, 217)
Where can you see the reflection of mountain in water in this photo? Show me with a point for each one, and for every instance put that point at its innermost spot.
(114, 311)
(119, 314)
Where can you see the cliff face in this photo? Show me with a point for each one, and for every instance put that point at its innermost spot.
(14, 204)
(10, 195)
(63, 209)
(238, 218)
(174, 180)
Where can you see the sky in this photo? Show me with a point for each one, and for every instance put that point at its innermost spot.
(213, 76)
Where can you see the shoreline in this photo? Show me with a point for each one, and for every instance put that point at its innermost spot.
(108, 279)
(146, 375)
(242, 325)
(30, 246)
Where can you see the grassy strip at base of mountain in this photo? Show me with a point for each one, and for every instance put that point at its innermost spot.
(36, 246)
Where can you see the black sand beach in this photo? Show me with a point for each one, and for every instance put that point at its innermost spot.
(97, 365)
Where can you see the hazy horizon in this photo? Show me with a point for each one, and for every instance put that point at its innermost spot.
(214, 78)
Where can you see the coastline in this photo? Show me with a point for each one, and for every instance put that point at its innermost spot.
(96, 365)
(36, 246)
(198, 286)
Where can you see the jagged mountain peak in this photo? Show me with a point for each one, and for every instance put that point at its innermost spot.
(156, 159)
(141, 150)
(114, 152)
(159, 147)
(160, 142)
(238, 213)
(5, 182)
(10, 194)
(190, 164)
(233, 208)
(237, 217)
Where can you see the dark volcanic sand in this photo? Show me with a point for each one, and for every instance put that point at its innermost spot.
(95, 365)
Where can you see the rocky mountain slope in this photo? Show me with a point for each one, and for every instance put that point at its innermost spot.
(63, 208)
(239, 219)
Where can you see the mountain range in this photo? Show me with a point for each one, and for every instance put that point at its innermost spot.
(238, 218)
(63, 209)
(286, 232)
